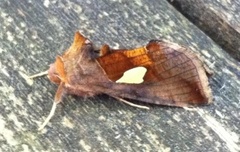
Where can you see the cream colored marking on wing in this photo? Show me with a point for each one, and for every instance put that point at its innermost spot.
(133, 76)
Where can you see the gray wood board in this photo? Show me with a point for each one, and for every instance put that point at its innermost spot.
(218, 19)
(33, 33)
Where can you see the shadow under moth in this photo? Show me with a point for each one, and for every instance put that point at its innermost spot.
(160, 73)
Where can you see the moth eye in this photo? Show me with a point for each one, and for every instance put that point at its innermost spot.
(133, 76)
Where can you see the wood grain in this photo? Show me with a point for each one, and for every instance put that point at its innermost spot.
(33, 33)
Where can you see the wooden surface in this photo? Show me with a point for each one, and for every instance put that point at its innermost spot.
(32, 33)
(220, 20)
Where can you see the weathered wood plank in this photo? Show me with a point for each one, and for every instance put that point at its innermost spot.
(218, 19)
(32, 33)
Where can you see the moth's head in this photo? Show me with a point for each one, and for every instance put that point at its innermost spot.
(80, 52)
(56, 72)
(78, 49)
(53, 75)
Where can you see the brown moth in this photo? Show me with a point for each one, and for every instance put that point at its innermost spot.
(161, 73)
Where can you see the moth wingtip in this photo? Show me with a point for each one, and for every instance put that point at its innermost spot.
(210, 100)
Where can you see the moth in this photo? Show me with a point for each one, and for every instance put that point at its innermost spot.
(160, 72)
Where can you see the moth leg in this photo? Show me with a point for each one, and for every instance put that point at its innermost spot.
(57, 99)
(131, 104)
(190, 108)
(54, 106)
(38, 74)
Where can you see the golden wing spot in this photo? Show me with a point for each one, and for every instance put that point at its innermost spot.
(133, 76)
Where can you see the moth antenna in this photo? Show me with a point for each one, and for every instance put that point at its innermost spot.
(38, 74)
(131, 104)
(54, 106)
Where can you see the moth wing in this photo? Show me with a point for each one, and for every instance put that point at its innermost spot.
(175, 75)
